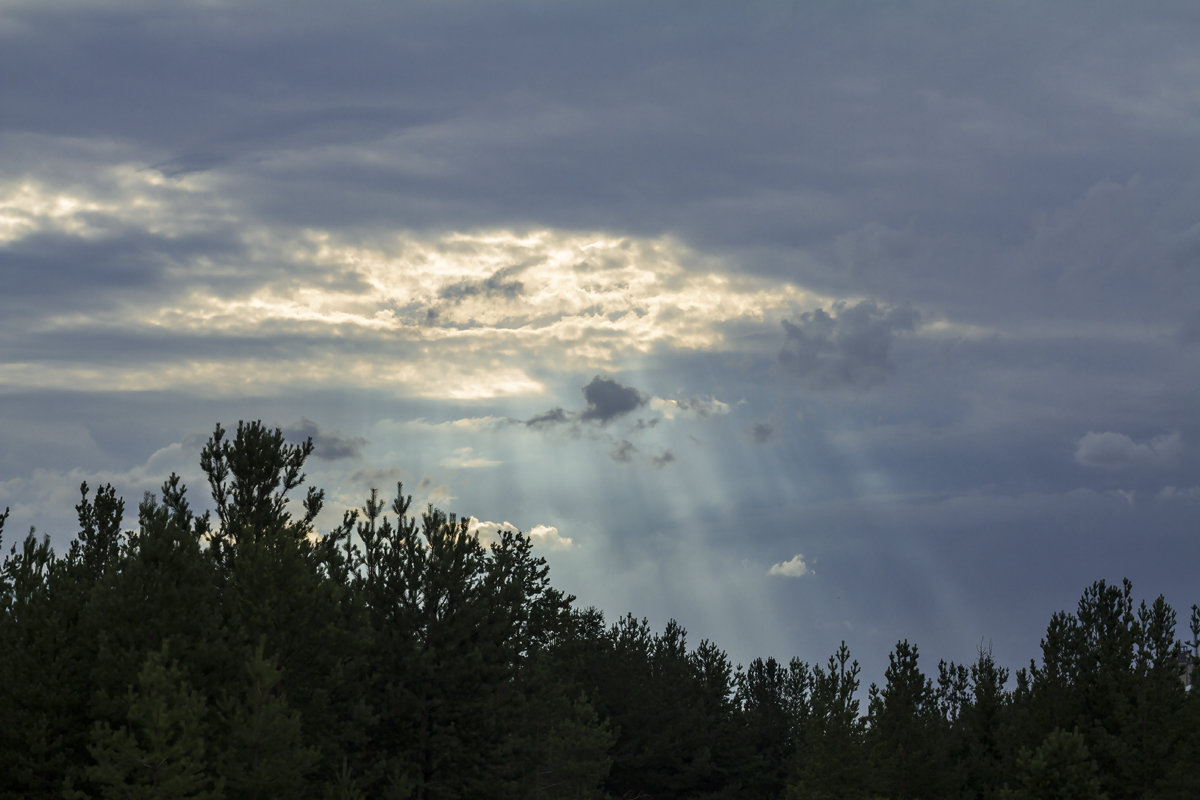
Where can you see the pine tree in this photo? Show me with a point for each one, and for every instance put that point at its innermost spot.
(98, 543)
(159, 754)
(830, 757)
(165, 590)
(280, 586)
(905, 730)
(766, 702)
(985, 727)
(250, 478)
(1110, 671)
(1060, 769)
(262, 754)
(43, 662)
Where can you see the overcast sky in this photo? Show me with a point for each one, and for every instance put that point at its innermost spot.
(794, 322)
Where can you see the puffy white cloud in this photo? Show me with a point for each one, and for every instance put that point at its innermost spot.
(794, 567)
(546, 537)
(1109, 450)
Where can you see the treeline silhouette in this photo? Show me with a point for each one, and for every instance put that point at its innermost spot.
(239, 654)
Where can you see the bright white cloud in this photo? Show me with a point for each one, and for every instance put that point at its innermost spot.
(794, 567)
(548, 537)
(544, 536)
(1109, 450)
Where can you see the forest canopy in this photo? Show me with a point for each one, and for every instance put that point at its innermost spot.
(240, 653)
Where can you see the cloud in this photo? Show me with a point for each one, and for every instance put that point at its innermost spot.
(623, 452)
(1110, 450)
(495, 285)
(849, 349)
(327, 445)
(792, 568)
(543, 536)
(555, 416)
(548, 537)
(471, 424)
(465, 458)
(690, 406)
(607, 399)
(1188, 493)
(662, 459)
(761, 432)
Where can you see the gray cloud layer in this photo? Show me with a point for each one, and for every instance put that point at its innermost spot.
(849, 350)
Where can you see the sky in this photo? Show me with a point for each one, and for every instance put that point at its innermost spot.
(794, 322)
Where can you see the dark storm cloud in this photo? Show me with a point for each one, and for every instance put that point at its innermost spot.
(850, 349)
(327, 445)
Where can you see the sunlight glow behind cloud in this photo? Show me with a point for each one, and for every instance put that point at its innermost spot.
(461, 315)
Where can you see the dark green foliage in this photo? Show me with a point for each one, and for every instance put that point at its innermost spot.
(830, 760)
(98, 542)
(1112, 672)
(42, 693)
(159, 753)
(398, 656)
(1060, 769)
(250, 478)
(263, 755)
(983, 728)
(905, 735)
(771, 702)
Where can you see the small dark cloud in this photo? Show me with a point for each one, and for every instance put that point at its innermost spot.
(607, 399)
(496, 285)
(555, 416)
(702, 407)
(382, 478)
(850, 349)
(623, 452)
(327, 445)
(663, 458)
(761, 432)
